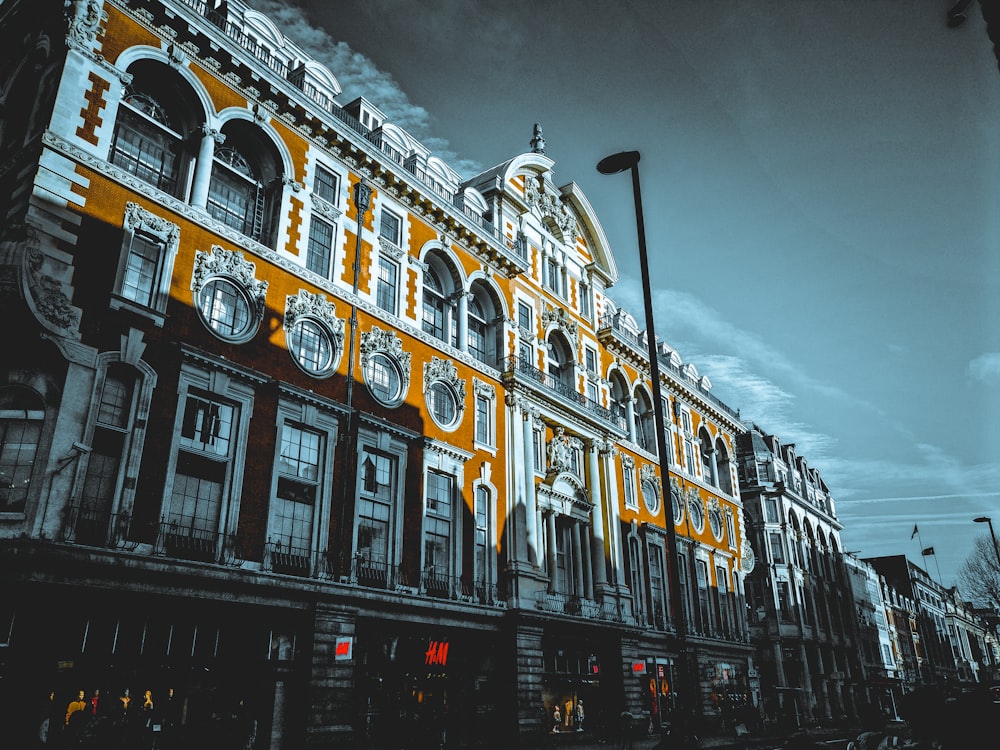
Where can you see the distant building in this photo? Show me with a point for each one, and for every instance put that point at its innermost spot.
(301, 424)
(799, 595)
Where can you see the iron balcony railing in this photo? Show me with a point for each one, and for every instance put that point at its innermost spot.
(182, 540)
(524, 370)
(289, 559)
(93, 527)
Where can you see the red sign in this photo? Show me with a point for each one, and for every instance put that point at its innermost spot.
(343, 649)
(437, 653)
(661, 670)
(638, 667)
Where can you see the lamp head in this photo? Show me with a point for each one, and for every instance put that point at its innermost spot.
(982, 519)
(618, 162)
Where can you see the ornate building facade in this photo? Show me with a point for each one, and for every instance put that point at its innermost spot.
(297, 420)
(800, 598)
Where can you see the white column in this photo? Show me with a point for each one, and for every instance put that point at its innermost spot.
(577, 559)
(203, 167)
(588, 563)
(630, 416)
(598, 565)
(463, 320)
(613, 523)
(550, 529)
(527, 453)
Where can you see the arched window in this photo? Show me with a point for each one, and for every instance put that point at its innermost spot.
(645, 430)
(156, 114)
(22, 414)
(560, 363)
(706, 448)
(439, 288)
(619, 399)
(245, 189)
(722, 467)
(484, 331)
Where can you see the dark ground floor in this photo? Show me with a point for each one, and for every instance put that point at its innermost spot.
(230, 665)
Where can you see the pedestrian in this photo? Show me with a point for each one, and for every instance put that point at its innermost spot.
(579, 715)
(556, 718)
(77, 718)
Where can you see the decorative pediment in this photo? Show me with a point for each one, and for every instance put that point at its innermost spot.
(549, 207)
(138, 219)
(444, 370)
(482, 388)
(232, 264)
(387, 342)
(306, 304)
(389, 248)
(648, 474)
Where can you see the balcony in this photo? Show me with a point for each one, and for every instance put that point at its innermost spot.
(92, 527)
(576, 606)
(288, 560)
(523, 371)
(200, 545)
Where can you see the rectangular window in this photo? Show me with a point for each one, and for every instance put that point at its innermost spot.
(526, 353)
(539, 454)
(784, 601)
(704, 607)
(592, 394)
(689, 455)
(325, 185)
(683, 578)
(770, 510)
(378, 482)
(777, 547)
(724, 604)
(385, 291)
(730, 530)
(628, 475)
(299, 473)
(207, 425)
(590, 359)
(437, 533)
(482, 542)
(635, 577)
(484, 420)
(320, 247)
(142, 270)
(389, 227)
(524, 317)
(657, 586)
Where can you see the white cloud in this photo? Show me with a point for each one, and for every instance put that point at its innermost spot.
(359, 76)
(986, 367)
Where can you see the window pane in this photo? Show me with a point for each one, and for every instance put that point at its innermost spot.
(311, 346)
(207, 425)
(389, 227)
(385, 295)
(325, 185)
(141, 278)
(225, 309)
(145, 149)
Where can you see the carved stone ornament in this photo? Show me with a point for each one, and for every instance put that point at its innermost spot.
(445, 371)
(51, 302)
(389, 249)
(549, 207)
(747, 558)
(648, 474)
(232, 265)
(138, 218)
(713, 504)
(559, 451)
(386, 342)
(325, 209)
(562, 321)
(84, 17)
(628, 463)
(482, 388)
(316, 306)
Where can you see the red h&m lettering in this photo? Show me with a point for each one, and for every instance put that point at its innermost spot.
(437, 653)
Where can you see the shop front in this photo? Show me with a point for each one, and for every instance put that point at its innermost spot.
(424, 685)
(576, 694)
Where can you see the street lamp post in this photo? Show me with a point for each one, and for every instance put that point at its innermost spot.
(629, 160)
(996, 547)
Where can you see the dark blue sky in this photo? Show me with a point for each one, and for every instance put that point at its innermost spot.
(820, 181)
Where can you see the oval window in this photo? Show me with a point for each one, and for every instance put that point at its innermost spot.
(225, 308)
(311, 346)
(384, 379)
(442, 403)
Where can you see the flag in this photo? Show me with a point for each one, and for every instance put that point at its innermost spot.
(928, 551)
(914, 531)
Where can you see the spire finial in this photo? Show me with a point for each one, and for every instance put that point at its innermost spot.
(537, 142)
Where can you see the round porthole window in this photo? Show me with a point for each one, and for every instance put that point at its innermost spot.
(675, 499)
(715, 521)
(384, 379)
(443, 404)
(225, 308)
(312, 347)
(650, 496)
(697, 514)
